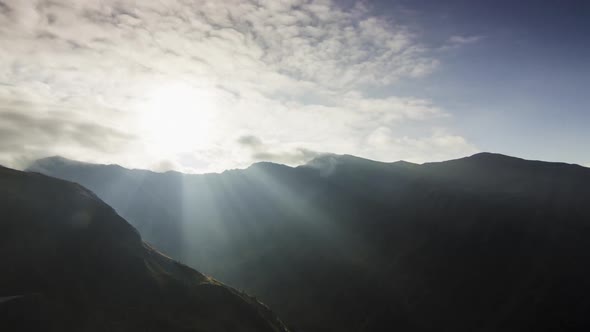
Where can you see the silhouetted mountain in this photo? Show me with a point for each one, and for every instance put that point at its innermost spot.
(70, 263)
(483, 243)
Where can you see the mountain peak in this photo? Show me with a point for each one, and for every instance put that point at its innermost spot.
(332, 159)
(403, 163)
(489, 158)
(40, 165)
(500, 159)
(266, 165)
(492, 156)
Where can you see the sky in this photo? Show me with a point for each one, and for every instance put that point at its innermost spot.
(203, 86)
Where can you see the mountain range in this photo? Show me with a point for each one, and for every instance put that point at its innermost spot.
(483, 243)
(71, 263)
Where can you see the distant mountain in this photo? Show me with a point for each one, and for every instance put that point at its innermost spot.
(70, 263)
(483, 243)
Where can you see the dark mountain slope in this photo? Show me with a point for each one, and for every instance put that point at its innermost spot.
(70, 263)
(484, 243)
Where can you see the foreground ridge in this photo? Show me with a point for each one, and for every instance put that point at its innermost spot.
(73, 264)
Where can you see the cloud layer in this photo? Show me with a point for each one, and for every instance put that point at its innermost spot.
(211, 85)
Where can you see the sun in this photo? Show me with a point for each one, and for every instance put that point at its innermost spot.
(178, 118)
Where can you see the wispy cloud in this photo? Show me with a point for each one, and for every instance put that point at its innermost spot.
(458, 41)
(298, 73)
(261, 151)
(462, 40)
(30, 130)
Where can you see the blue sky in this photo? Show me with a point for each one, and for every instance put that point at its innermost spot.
(521, 89)
(202, 85)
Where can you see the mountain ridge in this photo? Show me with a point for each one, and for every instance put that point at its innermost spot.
(341, 158)
(487, 242)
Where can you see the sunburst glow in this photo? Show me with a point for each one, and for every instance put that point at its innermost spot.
(178, 117)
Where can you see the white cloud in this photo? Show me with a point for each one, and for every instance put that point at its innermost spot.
(383, 144)
(462, 40)
(298, 74)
